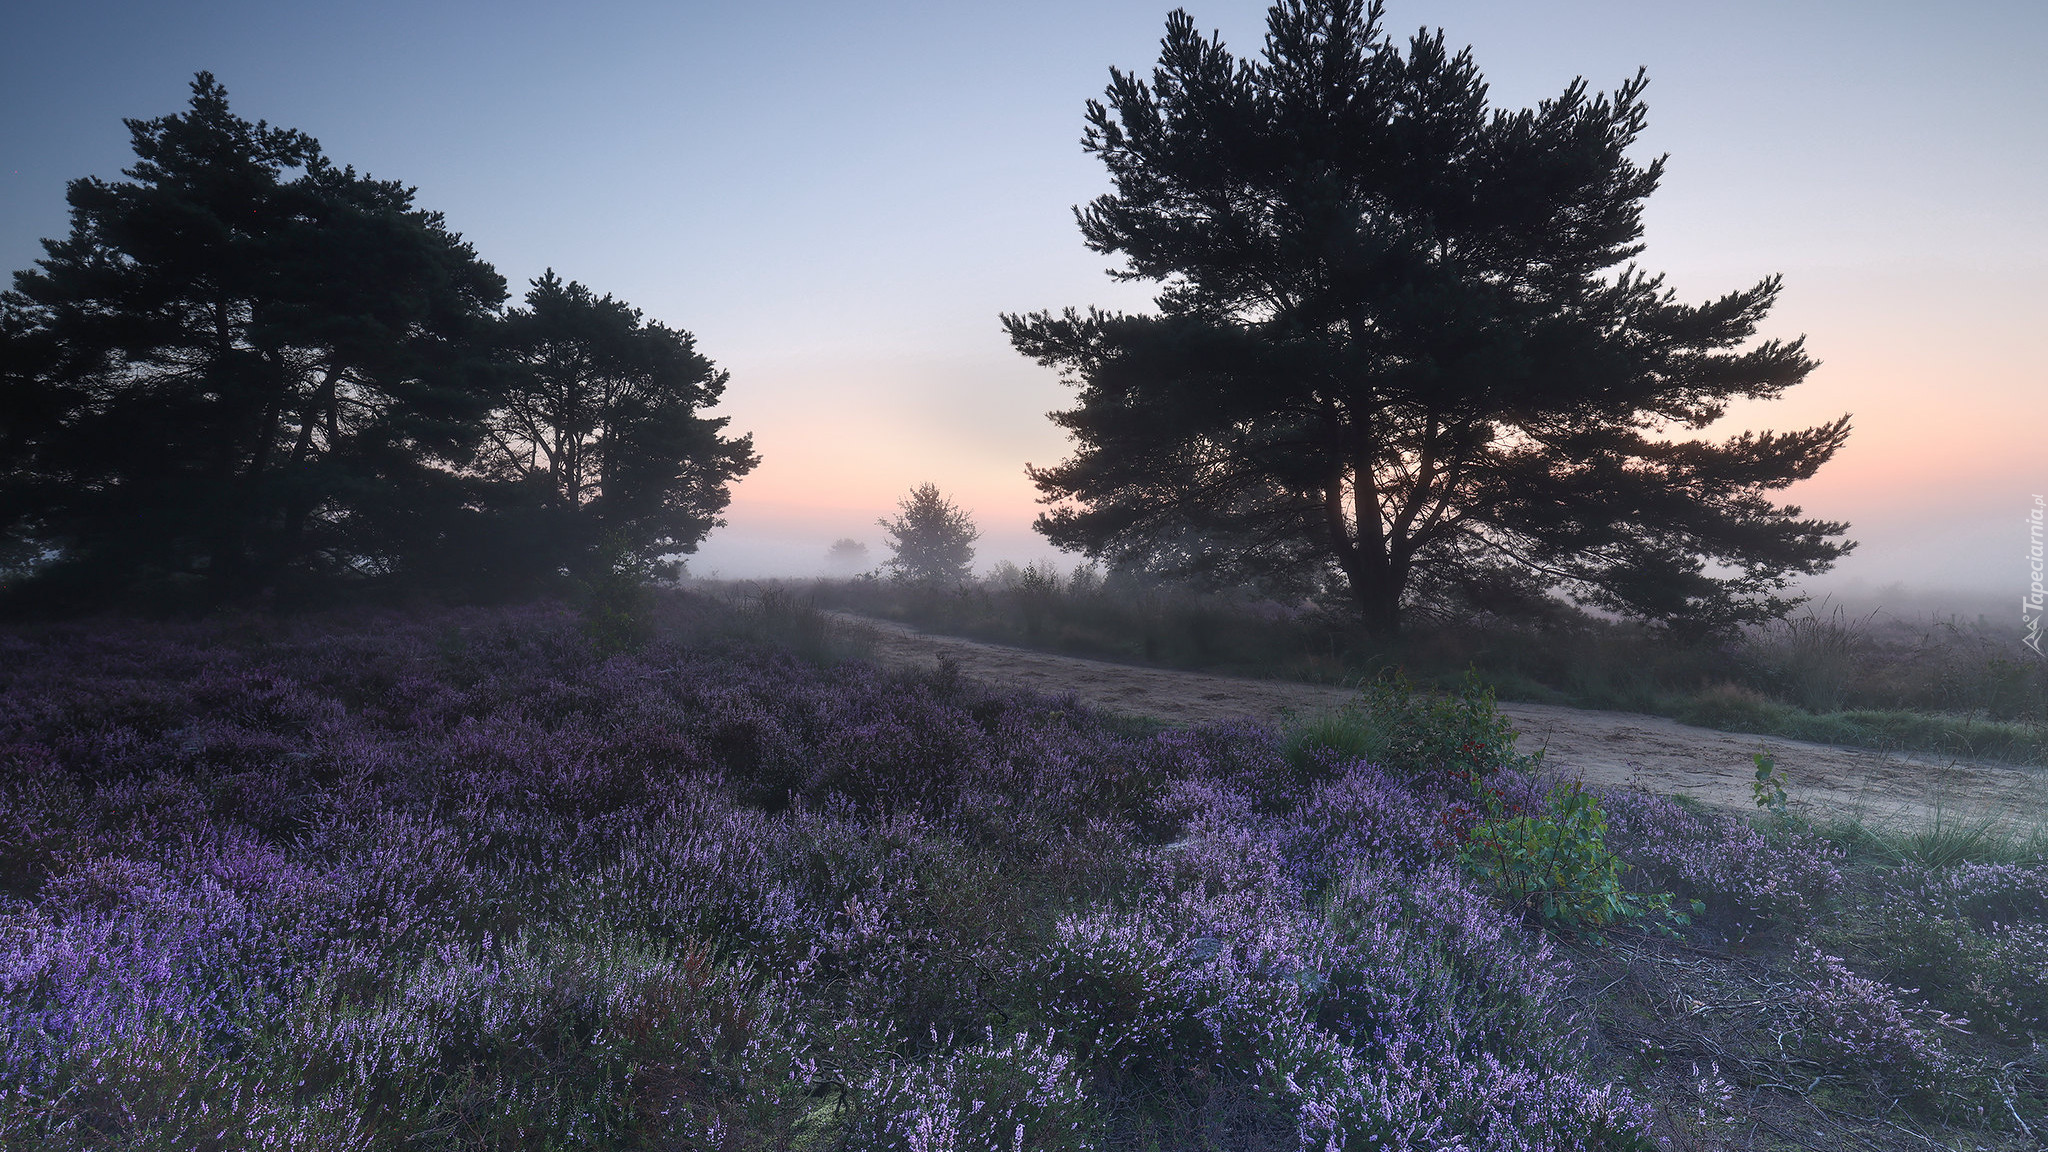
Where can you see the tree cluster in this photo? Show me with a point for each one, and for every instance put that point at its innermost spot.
(248, 372)
(1402, 351)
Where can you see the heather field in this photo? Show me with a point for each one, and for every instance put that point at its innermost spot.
(695, 876)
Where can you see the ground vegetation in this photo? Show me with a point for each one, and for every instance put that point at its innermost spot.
(469, 879)
(1938, 682)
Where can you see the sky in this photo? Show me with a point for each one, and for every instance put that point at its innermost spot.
(839, 201)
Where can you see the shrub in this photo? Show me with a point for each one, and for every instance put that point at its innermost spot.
(1436, 1026)
(1985, 895)
(1360, 812)
(616, 602)
(1992, 978)
(153, 1087)
(1972, 938)
(1445, 739)
(1134, 997)
(1554, 866)
(1854, 1024)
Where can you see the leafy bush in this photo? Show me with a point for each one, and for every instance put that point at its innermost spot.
(1554, 866)
(616, 602)
(1445, 739)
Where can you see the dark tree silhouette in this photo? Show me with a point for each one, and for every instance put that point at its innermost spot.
(931, 538)
(244, 365)
(599, 426)
(1401, 347)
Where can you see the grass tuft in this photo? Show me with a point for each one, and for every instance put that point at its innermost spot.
(1945, 838)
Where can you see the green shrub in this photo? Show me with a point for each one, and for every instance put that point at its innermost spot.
(1454, 737)
(1554, 867)
(617, 605)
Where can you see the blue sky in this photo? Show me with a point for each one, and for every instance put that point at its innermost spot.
(839, 200)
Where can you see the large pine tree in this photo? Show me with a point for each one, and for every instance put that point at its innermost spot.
(243, 367)
(599, 426)
(1401, 347)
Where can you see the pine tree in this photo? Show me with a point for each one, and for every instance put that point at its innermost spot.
(1402, 349)
(599, 424)
(243, 367)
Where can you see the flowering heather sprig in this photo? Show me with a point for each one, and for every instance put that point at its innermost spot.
(1857, 1024)
(1003, 1094)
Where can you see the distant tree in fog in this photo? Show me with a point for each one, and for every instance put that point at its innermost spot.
(847, 555)
(931, 538)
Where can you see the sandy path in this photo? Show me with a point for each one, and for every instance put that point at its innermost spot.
(1604, 748)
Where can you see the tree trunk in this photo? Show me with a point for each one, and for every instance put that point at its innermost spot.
(1380, 604)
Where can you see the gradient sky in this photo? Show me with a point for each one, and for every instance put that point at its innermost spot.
(838, 199)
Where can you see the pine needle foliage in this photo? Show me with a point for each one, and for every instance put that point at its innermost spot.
(1402, 349)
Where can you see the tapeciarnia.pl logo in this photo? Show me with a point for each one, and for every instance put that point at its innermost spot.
(2037, 596)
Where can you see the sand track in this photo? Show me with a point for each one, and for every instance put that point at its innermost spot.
(1603, 748)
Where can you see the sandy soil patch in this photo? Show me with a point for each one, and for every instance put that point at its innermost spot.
(1603, 748)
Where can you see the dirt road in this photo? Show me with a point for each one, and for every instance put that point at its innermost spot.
(1604, 748)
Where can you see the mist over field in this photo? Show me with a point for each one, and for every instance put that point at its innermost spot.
(1920, 585)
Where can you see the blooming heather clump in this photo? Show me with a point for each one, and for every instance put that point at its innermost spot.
(1986, 895)
(1972, 937)
(1434, 1025)
(1745, 878)
(464, 878)
(1857, 1024)
(1004, 1094)
(1357, 812)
